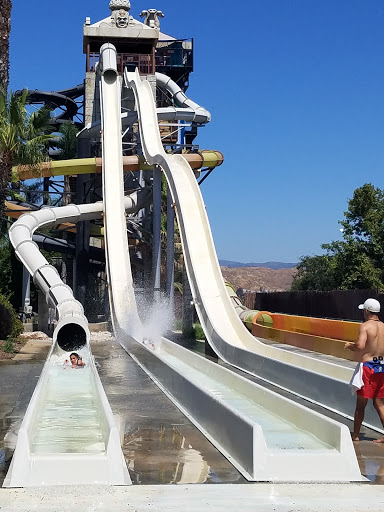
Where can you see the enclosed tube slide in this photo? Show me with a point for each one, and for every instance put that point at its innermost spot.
(72, 324)
(190, 110)
(186, 109)
(247, 315)
(55, 445)
(63, 99)
(320, 381)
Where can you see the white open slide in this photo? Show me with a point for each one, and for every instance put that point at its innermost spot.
(68, 435)
(264, 435)
(319, 381)
(118, 266)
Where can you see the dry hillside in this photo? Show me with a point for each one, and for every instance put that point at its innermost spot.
(257, 278)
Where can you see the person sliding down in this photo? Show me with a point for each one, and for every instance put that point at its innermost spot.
(75, 361)
(369, 352)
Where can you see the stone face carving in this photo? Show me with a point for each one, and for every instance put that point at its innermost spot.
(120, 13)
(152, 17)
(121, 18)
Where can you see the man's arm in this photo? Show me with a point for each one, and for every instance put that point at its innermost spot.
(359, 346)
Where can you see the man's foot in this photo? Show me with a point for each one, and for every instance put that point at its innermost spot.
(355, 438)
(381, 440)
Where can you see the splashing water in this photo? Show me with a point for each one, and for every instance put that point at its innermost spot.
(157, 320)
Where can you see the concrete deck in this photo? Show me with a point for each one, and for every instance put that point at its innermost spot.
(197, 498)
(162, 448)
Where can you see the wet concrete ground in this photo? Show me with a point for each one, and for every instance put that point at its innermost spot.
(17, 382)
(160, 444)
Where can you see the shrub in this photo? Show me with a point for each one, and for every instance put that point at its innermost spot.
(10, 325)
(199, 333)
(9, 346)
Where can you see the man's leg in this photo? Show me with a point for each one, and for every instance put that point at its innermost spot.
(379, 406)
(361, 403)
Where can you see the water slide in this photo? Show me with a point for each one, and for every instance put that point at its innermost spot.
(276, 434)
(184, 110)
(63, 100)
(267, 437)
(66, 401)
(319, 381)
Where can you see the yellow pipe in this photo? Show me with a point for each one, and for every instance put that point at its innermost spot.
(56, 168)
(211, 159)
(205, 158)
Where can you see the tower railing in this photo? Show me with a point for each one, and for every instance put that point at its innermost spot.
(144, 62)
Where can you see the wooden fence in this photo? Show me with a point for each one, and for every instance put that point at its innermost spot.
(337, 304)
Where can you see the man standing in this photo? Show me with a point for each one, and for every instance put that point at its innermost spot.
(369, 351)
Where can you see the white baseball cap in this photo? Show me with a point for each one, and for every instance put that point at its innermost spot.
(372, 305)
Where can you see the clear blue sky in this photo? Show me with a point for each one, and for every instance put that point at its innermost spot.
(295, 88)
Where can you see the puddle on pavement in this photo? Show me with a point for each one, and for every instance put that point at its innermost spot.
(371, 460)
(164, 456)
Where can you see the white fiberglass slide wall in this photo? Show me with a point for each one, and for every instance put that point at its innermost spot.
(320, 381)
(120, 286)
(192, 382)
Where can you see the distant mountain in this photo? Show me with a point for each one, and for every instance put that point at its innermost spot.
(259, 278)
(275, 265)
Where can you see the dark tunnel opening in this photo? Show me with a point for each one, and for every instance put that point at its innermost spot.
(71, 337)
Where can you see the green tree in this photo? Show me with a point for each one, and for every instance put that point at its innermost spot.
(178, 255)
(315, 273)
(357, 261)
(6, 287)
(23, 138)
(67, 141)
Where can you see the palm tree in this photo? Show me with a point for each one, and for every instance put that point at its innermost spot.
(5, 28)
(23, 138)
(67, 144)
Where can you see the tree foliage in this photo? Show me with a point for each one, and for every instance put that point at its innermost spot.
(178, 253)
(23, 138)
(67, 141)
(10, 325)
(357, 261)
(6, 286)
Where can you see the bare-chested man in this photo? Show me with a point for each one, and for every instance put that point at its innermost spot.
(369, 350)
